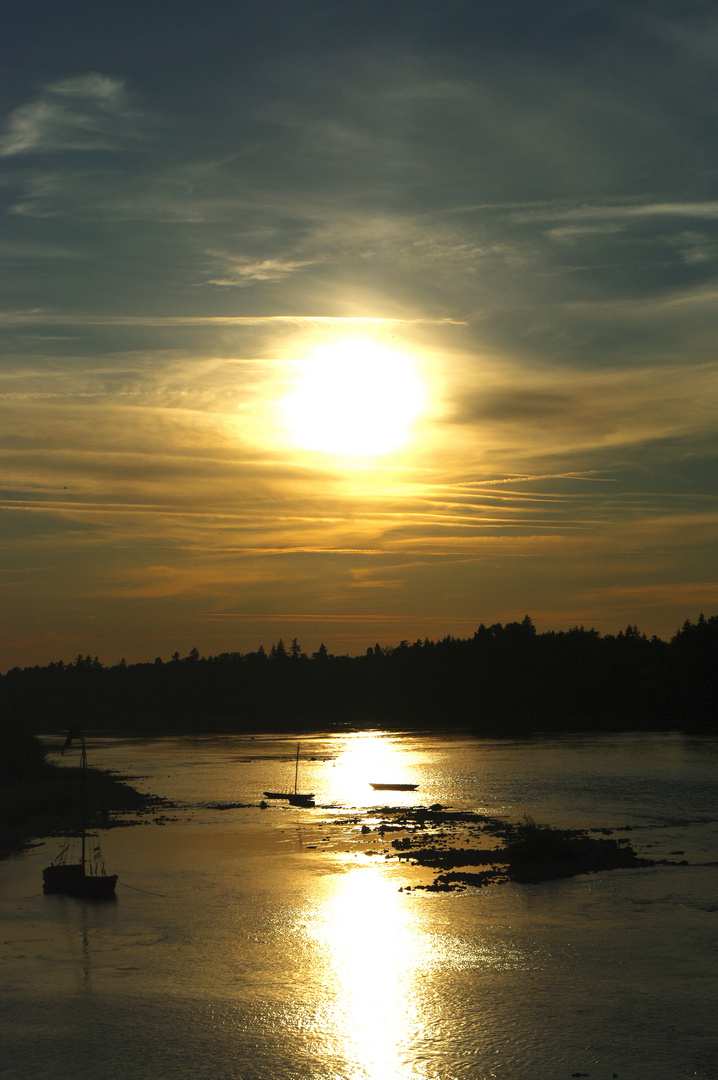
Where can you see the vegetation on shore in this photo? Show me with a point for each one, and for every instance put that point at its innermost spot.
(504, 680)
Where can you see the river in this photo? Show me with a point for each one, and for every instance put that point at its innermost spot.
(281, 944)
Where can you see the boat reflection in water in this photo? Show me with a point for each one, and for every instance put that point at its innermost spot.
(371, 936)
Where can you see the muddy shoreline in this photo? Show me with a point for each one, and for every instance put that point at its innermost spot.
(466, 849)
(49, 806)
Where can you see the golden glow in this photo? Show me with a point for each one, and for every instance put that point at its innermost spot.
(354, 397)
(365, 759)
(378, 952)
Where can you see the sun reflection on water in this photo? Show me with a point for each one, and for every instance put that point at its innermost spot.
(364, 758)
(377, 951)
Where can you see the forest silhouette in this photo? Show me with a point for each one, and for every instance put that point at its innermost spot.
(505, 680)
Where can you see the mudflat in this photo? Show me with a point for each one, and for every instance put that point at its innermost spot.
(50, 805)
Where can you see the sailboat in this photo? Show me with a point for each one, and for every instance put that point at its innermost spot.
(294, 798)
(86, 878)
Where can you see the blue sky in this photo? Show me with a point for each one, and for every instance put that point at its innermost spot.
(517, 200)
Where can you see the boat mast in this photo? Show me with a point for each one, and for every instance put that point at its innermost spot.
(296, 771)
(83, 767)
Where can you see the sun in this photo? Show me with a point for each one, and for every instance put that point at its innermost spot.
(354, 397)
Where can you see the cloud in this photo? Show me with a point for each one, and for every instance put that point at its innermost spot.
(242, 271)
(572, 234)
(15, 251)
(616, 211)
(90, 112)
(527, 478)
(695, 247)
(514, 404)
(48, 318)
(533, 200)
(694, 593)
(569, 412)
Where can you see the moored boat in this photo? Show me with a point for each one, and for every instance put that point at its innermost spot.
(394, 787)
(294, 798)
(73, 879)
(85, 878)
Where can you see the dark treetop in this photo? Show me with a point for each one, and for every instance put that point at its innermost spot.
(504, 680)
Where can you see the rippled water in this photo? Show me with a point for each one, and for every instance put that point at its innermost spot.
(268, 945)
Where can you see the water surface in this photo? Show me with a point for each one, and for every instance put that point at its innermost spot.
(270, 945)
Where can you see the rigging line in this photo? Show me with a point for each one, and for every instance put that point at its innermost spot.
(137, 889)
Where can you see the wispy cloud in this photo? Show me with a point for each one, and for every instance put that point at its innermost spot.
(89, 112)
(16, 251)
(617, 212)
(528, 478)
(40, 317)
(241, 271)
(561, 412)
(693, 593)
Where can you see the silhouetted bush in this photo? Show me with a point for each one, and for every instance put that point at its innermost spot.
(22, 757)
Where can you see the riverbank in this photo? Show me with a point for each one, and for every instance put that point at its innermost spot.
(49, 805)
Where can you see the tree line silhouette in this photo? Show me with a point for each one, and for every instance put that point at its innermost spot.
(504, 680)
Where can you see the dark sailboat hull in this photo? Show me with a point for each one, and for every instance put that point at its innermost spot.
(71, 879)
(301, 800)
(292, 797)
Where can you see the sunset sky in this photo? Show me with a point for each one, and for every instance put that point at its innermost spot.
(355, 321)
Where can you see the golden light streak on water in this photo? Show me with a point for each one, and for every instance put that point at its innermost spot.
(373, 937)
